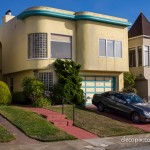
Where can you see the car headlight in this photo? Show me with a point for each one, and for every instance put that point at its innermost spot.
(146, 113)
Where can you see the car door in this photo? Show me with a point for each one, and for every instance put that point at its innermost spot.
(110, 101)
(121, 104)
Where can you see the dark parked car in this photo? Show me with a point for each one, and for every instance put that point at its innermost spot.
(128, 104)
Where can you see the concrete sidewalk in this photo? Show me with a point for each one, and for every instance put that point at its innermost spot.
(109, 143)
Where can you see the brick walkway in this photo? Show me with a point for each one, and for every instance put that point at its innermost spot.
(61, 122)
(143, 126)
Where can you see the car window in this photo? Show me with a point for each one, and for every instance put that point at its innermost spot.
(120, 98)
(133, 99)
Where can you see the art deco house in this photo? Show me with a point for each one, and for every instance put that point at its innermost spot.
(34, 39)
(139, 54)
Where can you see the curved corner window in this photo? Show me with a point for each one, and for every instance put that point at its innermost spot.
(61, 46)
(37, 45)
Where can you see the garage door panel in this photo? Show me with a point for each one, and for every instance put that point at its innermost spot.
(109, 84)
(101, 83)
(90, 90)
(100, 90)
(90, 84)
(90, 78)
(108, 89)
(96, 84)
(100, 79)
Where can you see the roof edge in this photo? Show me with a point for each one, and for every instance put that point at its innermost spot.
(49, 13)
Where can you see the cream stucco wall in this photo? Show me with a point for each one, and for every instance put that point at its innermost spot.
(85, 45)
(88, 35)
(15, 41)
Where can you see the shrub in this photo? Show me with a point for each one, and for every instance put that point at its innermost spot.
(5, 95)
(33, 88)
(69, 82)
(42, 102)
(19, 98)
(129, 82)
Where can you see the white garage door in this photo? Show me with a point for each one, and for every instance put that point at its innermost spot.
(97, 84)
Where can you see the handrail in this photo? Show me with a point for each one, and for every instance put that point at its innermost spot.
(73, 110)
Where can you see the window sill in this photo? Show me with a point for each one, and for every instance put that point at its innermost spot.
(110, 57)
(37, 58)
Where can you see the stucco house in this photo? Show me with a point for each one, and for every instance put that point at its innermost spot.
(139, 54)
(31, 41)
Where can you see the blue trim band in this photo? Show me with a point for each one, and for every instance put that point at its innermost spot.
(29, 13)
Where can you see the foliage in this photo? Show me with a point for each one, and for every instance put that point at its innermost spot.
(33, 88)
(5, 95)
(33, 125)
(69, 82)
(19, 98)
(129, 82)
(42, 102)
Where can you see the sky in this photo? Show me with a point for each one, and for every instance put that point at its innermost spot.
(129, 9)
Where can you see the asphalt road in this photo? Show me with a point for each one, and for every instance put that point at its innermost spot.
(138, 148)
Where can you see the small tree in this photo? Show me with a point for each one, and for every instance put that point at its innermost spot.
(33, 88)
(69, 82)
(5, 95)
(129, 82)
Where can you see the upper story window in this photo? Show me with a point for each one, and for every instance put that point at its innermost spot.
(61, 46)
(110, 48)
(132, 58)
(140, 56)
(146, 56)
(37, 45)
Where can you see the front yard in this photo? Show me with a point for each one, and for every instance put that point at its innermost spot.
(5, 136)
(97, 123)
(33, 124)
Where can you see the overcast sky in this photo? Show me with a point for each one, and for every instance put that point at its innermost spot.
(129, 9)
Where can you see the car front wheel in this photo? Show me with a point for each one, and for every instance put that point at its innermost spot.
(101, 107)
(135, 117)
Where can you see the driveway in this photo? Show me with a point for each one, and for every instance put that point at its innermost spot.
(115, 116)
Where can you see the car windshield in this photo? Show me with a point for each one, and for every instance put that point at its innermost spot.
(133, 99)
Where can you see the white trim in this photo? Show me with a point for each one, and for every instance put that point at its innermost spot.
(140, 36)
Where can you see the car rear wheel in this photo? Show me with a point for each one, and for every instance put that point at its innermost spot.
(100, 107)
(135, 117)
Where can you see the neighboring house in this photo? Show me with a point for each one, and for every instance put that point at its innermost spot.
(33, 40)
(139, 54)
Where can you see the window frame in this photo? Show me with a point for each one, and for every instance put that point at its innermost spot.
(140, 63)
(147, 55)
(131, 51)
(114, 48)
(71, 45)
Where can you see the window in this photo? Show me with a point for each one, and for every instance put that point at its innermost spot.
(102, 50)
(11, 84)
(132, 60)
(37, 45)
(118, 49)
(61, 46)
(146, 55)
(47, 79)
(139, 56)
(110, 48)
